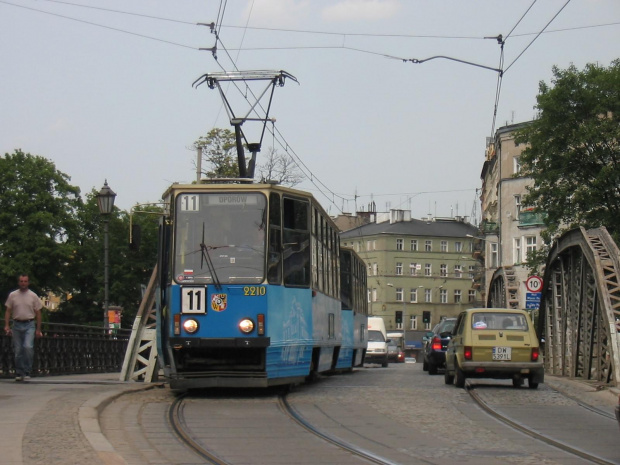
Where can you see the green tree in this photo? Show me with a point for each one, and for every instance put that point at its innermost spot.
(219, 151)
(37, 222)
(572, 152)
(129, 270)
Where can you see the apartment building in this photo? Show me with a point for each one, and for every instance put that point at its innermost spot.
(419, 271)
(508, 231)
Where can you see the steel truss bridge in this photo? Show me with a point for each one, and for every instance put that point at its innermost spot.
(579, 316)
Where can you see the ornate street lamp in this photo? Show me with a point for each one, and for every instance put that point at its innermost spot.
(105, 201)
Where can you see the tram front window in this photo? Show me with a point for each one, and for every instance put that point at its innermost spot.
(220, 237)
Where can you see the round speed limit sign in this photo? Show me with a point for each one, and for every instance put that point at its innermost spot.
(534, 284)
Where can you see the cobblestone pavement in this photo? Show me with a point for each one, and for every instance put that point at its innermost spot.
(400, 413)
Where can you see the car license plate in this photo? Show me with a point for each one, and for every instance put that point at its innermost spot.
(502, 353)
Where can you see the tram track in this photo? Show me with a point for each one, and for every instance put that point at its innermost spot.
(178, 424)
(518, 426)
(300, 420)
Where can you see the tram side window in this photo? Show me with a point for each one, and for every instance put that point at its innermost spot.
(346, 284)
(274, 265)
(320, 252)
(315, 249)
(296, 247)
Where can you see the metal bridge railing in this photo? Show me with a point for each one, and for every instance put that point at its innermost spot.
(68, 349)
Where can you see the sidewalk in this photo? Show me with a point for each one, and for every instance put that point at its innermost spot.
(54, 420)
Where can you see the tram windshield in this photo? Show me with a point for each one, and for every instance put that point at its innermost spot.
(220, 237)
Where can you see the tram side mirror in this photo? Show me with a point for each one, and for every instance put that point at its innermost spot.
(136, 236)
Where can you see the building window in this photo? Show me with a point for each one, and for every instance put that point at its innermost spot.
(517, 206)
(370, 269)
(444, 246)
(357, 246)
(516, 165)
(375, 269)
(443, 296)
(427, 269)
(399, 268)
(399, 244)
(457, 296)
(458, 246)
(413, 269)
(414, 245)
(374, 294)
(443, 270)
(530, 245)
(413, 296)
(494, 255)
(471, 271)
(414, 322)
(369, 295)
(517, 250)
(471, 295)
(399, 294)
(428, 246)
(428, 295)
(368, 245)
(458, 271)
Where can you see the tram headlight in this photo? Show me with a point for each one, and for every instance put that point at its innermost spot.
(191, 326)
(246, 326)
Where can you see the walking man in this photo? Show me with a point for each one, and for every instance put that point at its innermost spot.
(25, 307)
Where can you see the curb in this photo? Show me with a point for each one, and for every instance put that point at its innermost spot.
(88, 419)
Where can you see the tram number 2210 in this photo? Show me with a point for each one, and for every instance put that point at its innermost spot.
(254, 291)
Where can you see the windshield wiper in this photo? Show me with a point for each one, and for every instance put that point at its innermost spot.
(205, 257)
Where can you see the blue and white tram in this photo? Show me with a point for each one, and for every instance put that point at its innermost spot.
(249, 288)
(354, 301)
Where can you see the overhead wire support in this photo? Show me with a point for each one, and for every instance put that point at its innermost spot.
(417, 61)
(213, 49)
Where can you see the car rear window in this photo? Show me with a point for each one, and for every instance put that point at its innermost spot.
(446, 326)
(490, 320)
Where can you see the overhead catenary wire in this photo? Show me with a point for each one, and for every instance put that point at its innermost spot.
(537, 36)
(311, 176)
(317, 32)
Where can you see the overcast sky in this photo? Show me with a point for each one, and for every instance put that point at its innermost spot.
(104, 88)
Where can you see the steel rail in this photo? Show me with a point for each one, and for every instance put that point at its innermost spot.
(532, 433)
(295, 416)
(175, 418)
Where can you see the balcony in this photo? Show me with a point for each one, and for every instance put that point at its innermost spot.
(487, 227)
(530, 218)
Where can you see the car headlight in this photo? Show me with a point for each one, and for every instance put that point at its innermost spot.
(246, 326)
(191, 326)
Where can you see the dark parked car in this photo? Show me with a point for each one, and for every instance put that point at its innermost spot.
(435, 346)
(393, 351)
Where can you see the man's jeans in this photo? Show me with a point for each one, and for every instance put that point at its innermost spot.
(23, 345)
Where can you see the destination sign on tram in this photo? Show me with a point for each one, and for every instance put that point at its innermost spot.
(232, 199)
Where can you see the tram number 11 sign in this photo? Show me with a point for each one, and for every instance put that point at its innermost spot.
(534, 284)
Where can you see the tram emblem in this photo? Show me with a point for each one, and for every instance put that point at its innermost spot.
(219, 302)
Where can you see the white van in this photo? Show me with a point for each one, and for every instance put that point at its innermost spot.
(377, 349)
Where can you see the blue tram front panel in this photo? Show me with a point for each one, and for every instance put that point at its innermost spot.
(278, 344)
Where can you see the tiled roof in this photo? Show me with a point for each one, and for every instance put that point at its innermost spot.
(431, 228)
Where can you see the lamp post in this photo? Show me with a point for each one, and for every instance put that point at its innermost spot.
(105, 202)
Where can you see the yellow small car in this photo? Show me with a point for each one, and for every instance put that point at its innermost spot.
(494, 343)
